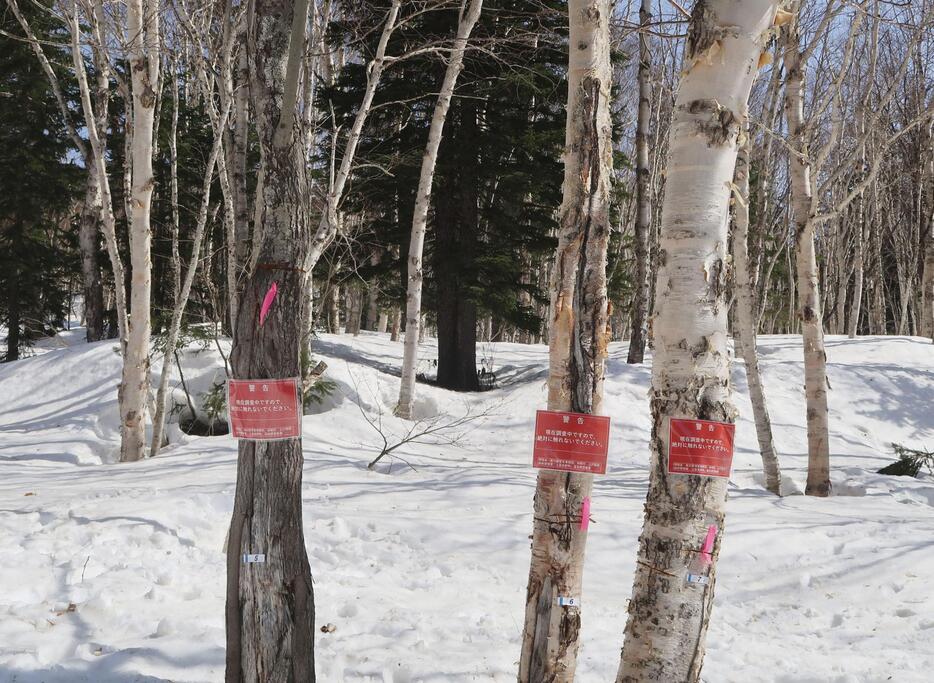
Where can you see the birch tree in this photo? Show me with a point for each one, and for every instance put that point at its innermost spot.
(640, 297)
(745, 312)
(466, 21)
(143, 55)
(270, 606)
(668, 617)
(578, 337)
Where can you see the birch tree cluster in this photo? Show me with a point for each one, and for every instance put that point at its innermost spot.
(180, 236)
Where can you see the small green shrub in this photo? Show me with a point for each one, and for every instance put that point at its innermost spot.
(910, 461)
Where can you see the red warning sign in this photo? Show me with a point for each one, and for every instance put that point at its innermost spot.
(264, 409)
(700, 447)
(571, 442)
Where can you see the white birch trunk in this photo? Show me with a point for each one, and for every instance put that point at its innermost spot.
(143, 53)
(856, 303)
(413, 300)
(640, 295)
(745, 312)
(668, 618)
(808, 299)
(578, 337)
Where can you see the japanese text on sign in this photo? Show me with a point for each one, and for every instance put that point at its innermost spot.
(571, 442)
(264, 409)
(700, 447)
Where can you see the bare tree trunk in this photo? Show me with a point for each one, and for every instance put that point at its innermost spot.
(856, 303)
(640, 296)
(668, 617)
(270, 605)
(577, 347)
(143, 19)
(373, 313)
(93, 288)
(745, 312)
(396, 324)
(809, 309)
(927, 277)
(877, 316)
(334, 308)
(843, 277)
(422, 200)
(238, 158)
(176, 260)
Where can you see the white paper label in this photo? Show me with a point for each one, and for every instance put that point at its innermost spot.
(253, 559)
(569, 602)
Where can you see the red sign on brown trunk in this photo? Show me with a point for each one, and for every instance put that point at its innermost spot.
(700, 447)
(571, 442)
(264, 409)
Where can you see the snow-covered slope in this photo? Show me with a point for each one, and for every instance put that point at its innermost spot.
(114, 572)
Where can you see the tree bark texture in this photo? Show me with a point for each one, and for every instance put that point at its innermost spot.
(143, 19)
(456, 225)
(640, 297)
(927, 277)
(809, 308)
(745, 312)
(270, 605)
(93, 287)
(668, 617)
(578, 337)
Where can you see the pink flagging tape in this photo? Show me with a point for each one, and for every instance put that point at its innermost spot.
(707, 548)
(585, 514)
(267, 302)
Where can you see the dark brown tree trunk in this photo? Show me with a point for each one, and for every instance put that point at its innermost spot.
(13, 316)
(270, 605)
(456, 225)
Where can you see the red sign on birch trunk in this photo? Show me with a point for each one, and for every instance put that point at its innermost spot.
(264, 409)
(700, 447)
(571, 442)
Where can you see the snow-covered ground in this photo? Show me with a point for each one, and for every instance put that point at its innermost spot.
(114, 572)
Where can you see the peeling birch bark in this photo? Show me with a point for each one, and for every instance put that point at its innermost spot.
(143, 49)
(578, 337)
(668, 617)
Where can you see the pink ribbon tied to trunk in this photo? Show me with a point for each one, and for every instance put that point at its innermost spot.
(585, 513)
(706, 550)
(267, 302)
